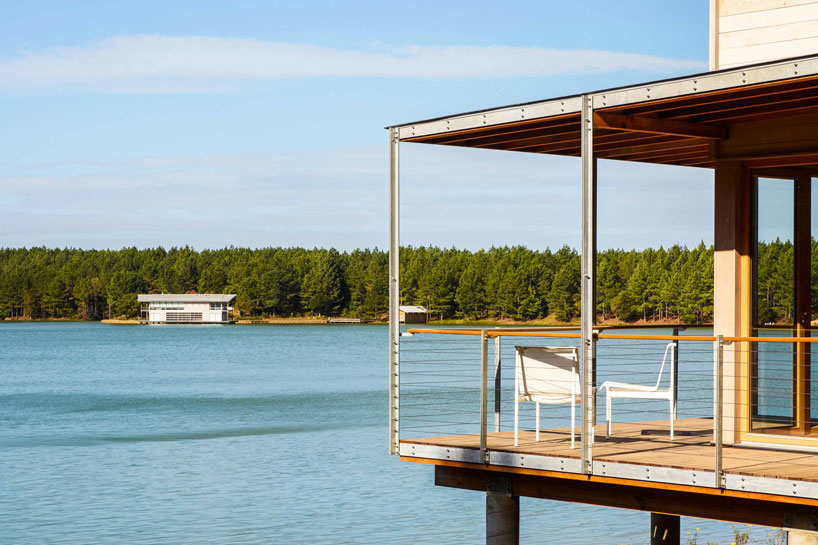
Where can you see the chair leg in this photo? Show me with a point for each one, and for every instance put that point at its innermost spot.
(573, 420)
(516, 419)
(672, 417)
(537, 429)
(608, 415)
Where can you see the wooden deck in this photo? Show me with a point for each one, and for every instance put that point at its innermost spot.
(637, 468)
(648, 444)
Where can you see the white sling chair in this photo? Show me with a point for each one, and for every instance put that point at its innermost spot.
(547, 375)
(637, 391)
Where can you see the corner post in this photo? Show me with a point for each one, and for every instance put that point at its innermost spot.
(498, 382)
(484, 394)
(588, 281)
(718, 424)
(732, 287)
(394, 291)
(676, 364)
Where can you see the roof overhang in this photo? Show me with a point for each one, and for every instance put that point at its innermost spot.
(674, 121)
(186, 298)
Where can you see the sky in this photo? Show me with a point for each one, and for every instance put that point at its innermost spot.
(257, 124)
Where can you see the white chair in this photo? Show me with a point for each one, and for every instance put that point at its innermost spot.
(547, 375)
(637, 391)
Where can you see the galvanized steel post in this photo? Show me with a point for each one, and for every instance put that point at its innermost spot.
(498, 382)
(718, 432)
(484, 392)
(588, 284)
(675, 366)
(394, 292)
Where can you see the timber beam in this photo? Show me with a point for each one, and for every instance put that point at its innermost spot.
(669, 127)
(742, 509)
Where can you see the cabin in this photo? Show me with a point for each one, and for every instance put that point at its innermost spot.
(719, 424)
(413, 314)
(186, 308)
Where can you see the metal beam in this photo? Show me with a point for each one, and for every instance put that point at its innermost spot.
(648, 475)
(394, 291)
(678, 108)
(668, 127)
(736, 78)
(699, 84)
(588, 281)
(506, 115)
(718, 104)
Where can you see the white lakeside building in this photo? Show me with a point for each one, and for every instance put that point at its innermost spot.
(186, 308)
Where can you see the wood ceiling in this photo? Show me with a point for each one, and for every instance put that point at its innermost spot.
(673, 131)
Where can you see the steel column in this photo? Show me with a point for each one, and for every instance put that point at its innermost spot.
(502, 511)
(394, 291)
(588, 283)
(498, 382)
(718, 395)
(664, 529)
(484, 393)
(676, 365)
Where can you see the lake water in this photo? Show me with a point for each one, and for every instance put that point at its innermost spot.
(242, 434)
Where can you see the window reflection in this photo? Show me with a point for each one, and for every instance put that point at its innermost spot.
(775, 302)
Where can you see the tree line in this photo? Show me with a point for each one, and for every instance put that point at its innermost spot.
(498, 283)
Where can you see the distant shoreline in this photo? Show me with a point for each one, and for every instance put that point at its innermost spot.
(119, 322)
(545, 322)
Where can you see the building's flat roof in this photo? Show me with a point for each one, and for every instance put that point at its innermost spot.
(412, 309)
(186, 298)
(710, 101)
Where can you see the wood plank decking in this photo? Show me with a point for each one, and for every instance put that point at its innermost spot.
(649, 444)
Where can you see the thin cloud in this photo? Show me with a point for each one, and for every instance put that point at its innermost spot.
(449, 196)
(167, 64)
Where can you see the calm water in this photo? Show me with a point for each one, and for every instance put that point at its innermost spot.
(243, 434)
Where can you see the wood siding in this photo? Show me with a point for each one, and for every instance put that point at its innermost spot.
(746, 32)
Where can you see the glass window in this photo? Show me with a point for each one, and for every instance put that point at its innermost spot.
(775, 302)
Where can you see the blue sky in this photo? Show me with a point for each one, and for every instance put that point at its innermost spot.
(261, 123)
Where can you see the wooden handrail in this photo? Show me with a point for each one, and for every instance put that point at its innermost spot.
(445, 331)
(707, 338)
(624, 336)
(772, 339)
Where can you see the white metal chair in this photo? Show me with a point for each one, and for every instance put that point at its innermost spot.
(637, 391)
(546, 374)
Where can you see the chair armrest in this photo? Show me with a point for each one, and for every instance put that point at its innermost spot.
(625, 386)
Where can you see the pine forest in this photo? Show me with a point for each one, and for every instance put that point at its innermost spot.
(509, 283)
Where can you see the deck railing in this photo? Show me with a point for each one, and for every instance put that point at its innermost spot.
(456, 388)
